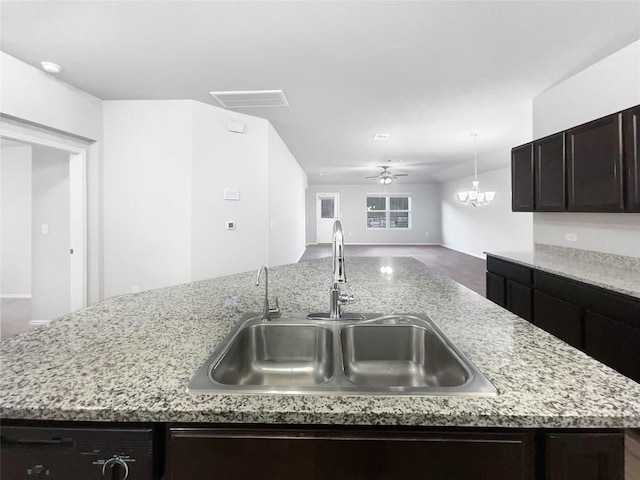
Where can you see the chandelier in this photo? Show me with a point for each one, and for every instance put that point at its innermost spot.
(475, 197)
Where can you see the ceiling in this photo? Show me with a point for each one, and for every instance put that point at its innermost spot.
(427, 73)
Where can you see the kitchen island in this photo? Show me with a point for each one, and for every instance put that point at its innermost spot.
(129, 358)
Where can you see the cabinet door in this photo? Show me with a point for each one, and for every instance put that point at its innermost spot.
(559, 318)
(519, 300)
(588, 456)
(613, 343)
(594, 159)
(201, 453)
(631, 136)
(522, 178)
(496, 289)
(549, 174)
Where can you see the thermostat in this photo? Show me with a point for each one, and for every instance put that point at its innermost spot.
(231, 225)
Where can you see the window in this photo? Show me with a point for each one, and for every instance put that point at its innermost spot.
(386, 211)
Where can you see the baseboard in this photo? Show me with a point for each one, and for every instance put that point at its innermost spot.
(38, 323)
(482, 257)
(15, 295)
(393, 244)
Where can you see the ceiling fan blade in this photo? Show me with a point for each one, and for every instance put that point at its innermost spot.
(400, 174)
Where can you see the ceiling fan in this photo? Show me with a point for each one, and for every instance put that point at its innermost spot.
(386, 177)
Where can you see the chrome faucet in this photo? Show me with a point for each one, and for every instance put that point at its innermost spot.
(267, 312)
(337, 296)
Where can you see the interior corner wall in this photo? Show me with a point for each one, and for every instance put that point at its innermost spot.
(147, 194)
(15, 217)
(425, 210)
(51, 268)
(493, 227)
(605, 87)
(287, 191)
(225, 160)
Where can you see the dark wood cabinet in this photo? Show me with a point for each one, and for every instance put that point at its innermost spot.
(602, 323)
(305, 453)
(519, 300)
(631, 136)
(613, 343)
(594, 161)
(549, 173)
(558, 317)
(509, 285)
(587, 456)
(594, 167)
(496, 289)
(522, 178)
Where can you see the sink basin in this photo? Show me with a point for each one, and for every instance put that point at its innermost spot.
(364, 354)
(399, 356)
(277, 355)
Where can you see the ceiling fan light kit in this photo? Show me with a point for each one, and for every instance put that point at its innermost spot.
(386, 177)
(474, 197)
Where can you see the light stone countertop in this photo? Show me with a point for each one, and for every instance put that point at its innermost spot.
(129, 358)
(613, 272)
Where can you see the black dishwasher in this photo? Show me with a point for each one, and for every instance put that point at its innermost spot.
(82, 453)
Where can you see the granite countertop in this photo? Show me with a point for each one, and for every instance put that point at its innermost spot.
(129, 358)
(614, 272)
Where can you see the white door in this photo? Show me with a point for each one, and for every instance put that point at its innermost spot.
(327, 212)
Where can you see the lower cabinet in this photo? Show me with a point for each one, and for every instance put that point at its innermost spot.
(592, 456)
(299, 452)
(602, 323)
(519, 300)
(613, 343)
(496, 289)
(559, 318)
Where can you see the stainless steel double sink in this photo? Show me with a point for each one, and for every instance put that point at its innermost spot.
(377, 355)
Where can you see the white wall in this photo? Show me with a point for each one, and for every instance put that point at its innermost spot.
(227, 160)
(15, 215)
(494, 227)
(50, 261)
(425, 206)
(610, 85)
(33, 96)
(287, 203)
(167, 164)
(147, 194)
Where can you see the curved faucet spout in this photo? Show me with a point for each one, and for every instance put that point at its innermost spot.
(339, 295)
(337, 253)
(267, 312)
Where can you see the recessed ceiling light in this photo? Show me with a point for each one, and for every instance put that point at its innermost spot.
(381, 136)
(51, 67)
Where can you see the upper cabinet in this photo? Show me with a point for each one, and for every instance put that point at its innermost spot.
(549, 173)
(522, 178)
(631, 146)
(594, 167)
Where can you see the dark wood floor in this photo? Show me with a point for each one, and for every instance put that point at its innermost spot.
(463, 268)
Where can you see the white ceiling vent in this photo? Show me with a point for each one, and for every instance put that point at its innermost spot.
(251, 98)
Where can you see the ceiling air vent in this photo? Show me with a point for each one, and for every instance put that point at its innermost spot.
(251, 98)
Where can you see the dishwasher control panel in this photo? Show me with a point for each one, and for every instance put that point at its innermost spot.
(77, 453)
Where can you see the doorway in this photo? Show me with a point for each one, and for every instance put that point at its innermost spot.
(43, 213)
(327, 212)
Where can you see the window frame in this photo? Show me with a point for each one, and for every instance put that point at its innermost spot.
(388, 211)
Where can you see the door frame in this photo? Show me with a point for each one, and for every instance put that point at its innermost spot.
(321, 195)
(77, 207)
